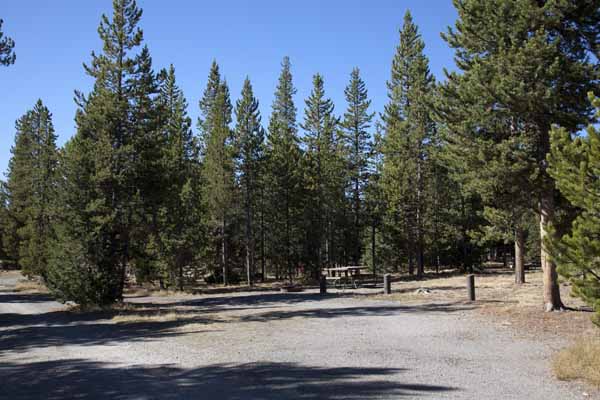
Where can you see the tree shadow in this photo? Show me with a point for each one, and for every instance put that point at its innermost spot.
(12, 297)
(42, 333)
(86, 380)
(345, 312)
(252, 300)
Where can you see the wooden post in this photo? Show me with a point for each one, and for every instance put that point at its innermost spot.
(323, 285)
(387, 284)
(471, 287)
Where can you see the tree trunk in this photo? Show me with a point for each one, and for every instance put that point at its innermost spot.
(519, 256)
(248, 239)
(419, 221)
(420, 260)
(223, 256)
(357, 249)
(180, 275)
(552, 301)
(263, 264)
(373, 248)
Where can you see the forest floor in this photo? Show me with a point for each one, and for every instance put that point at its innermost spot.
(270, 345)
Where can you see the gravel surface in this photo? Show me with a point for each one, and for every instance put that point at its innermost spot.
(266, 346)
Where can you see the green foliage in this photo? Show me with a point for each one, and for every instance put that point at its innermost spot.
(523, 66)
(574, 163)
(249, 136)
(409, 135)
(100, 193)
(7, 45)
(179, 219)
(218, 162)
(30, 190)
(4, 225)
(284, 179)
(357, 146)
(450, 169)
(323, 177)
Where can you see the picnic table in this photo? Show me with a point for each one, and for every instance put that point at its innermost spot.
(343, 276)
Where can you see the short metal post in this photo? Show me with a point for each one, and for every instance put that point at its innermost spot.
(387, 284)
(323, 285)
(471, 287)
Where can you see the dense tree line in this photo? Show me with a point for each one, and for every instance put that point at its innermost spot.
(442, 174)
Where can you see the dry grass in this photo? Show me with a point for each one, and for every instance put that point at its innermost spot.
(31, 286)
(581, 361)
(153, 292)
(503, 302)
(159, 316)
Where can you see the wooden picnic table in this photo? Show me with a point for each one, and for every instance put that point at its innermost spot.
(345, 275)
(352, 270)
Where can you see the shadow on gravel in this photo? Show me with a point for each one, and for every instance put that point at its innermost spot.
(85, 380)
(12, 297)
(21, 339)
(354, 312)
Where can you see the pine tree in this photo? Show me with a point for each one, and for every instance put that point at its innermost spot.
(357, 142)
(218, 162)
(375, 207)
(99, 188)
(523, 68)
(323, 173)
(408, 133)
(249, 135)
(7, 45)
(5, 259)
(284, 177)
(574, 163)
(31, 185)
(148, 142)
(179, 220)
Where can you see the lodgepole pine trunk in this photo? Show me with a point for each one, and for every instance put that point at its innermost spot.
(519, 256)
(223, 256)
(420, 261)
(373, 248)
(249, 239)
(552, 300)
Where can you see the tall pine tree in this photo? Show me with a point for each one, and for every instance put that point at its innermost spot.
(575, 166)
(284, 178)
(32, 179)
(357, 142)
(408, 135)
(524, 66)
(179, 220)
(218, 163)
(249, 135)
(322, 176)
(99, 194)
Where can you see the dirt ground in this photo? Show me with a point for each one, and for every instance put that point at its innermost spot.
(506, 304)
(349, 344)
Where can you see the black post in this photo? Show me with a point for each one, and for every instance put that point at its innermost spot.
(323, 285)
(387, 284)
(471, 287)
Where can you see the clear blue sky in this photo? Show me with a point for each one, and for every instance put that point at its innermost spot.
(54, 38)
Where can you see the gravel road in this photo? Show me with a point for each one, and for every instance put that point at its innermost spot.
(266, 346)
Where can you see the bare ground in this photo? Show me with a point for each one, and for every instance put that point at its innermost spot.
(267, 345)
